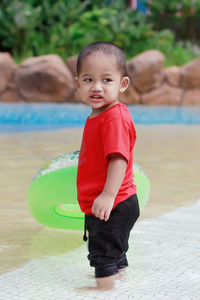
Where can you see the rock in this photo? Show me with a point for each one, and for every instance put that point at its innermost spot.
(130, 96)
(7, 66)
(146, 70)
(10, 95)
(45, 79)
(71, 64)
(164, 95)
(49, 79)
(75, 97)
(190, 75)
(173, 75)
(192, 97)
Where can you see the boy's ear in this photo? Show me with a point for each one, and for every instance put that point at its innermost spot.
(124, 84)
(76, 82)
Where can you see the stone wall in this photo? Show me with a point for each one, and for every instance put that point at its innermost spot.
(49, 79)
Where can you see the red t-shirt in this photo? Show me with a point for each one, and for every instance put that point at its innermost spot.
(110, 132)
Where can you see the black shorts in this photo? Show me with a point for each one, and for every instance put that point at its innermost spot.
(108, 241)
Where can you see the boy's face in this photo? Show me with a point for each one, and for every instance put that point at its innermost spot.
(100, 82)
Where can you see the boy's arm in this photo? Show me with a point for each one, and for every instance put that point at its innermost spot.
(103, 204)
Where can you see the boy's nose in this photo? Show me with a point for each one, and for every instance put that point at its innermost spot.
(96, 87)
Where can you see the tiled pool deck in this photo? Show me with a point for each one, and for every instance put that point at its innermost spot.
(164, 252)
(164, 259)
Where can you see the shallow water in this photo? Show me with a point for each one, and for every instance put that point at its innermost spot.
(168, 153)
(163, 264)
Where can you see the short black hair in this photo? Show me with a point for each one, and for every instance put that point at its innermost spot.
(106, 48)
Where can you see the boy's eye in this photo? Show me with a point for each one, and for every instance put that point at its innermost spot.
(87, 79)
(107, 80)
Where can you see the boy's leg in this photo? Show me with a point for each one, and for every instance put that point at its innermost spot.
(128, 212)
(108, 241)
(100, 252)
(100, 246)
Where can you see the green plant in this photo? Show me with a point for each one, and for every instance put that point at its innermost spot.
(39, 27)
(17, 24)
(182, 17)
(124, 28)
(36, 27)
(181, 53)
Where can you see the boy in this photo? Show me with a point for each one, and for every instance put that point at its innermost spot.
(105, 185)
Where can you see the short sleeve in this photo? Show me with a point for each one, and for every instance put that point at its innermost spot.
(116, 138)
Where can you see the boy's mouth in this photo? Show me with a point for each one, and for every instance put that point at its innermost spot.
(96, 98)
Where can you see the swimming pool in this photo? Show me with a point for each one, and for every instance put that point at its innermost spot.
(23, 117)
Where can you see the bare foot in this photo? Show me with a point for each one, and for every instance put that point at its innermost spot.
(106, 283)
(102, 284)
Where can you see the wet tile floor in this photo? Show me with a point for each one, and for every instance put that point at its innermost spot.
(38, 263)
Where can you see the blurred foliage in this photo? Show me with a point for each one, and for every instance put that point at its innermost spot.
(38, 27)
(176, 52)
(182, 17)
(123, 27)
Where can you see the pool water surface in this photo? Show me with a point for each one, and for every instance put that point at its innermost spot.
(23, 117)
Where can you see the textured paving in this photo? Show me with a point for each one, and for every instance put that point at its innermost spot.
(164, 259)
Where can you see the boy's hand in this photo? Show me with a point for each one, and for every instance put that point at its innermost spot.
(102, 206)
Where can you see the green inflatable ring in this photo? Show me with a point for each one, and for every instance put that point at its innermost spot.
(52, 196)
